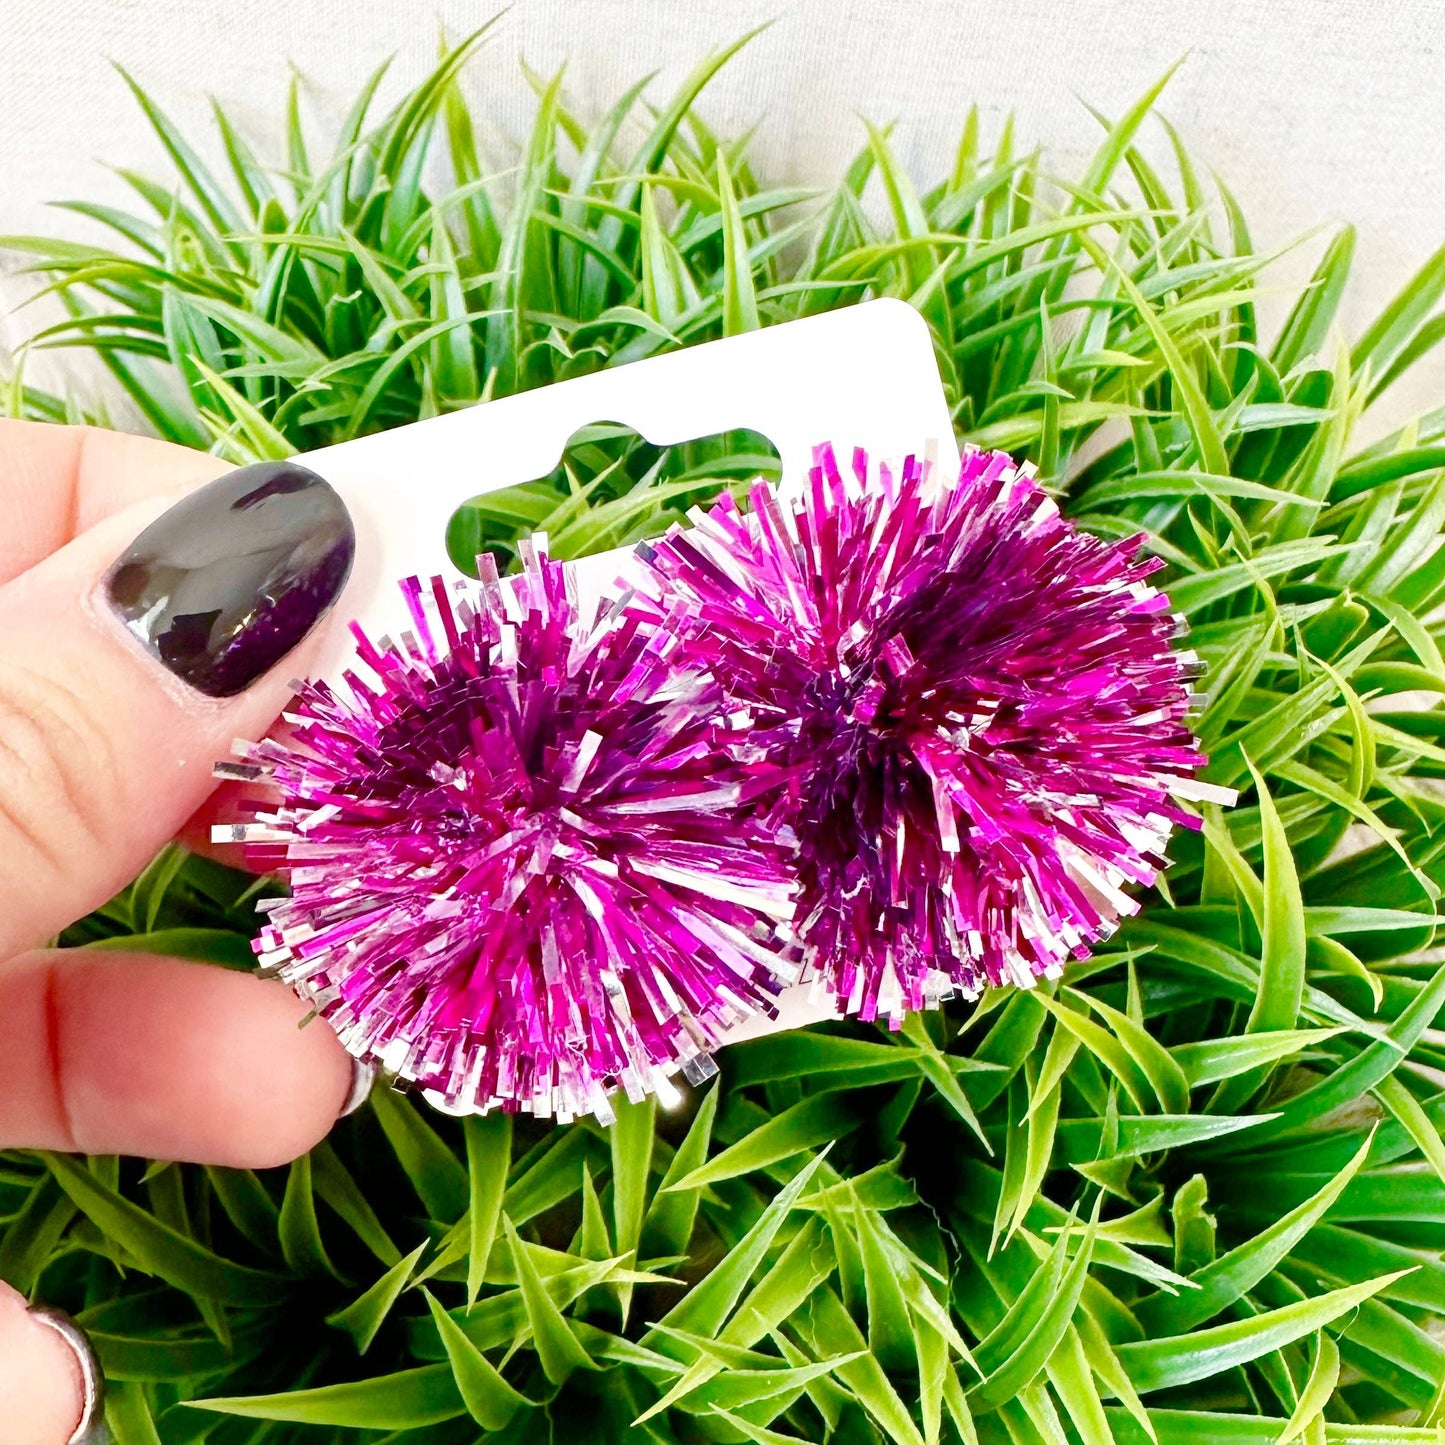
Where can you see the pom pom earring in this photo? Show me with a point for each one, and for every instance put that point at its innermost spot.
(976, 707)
(524, 864)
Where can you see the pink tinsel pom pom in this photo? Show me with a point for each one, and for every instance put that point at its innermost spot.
(976, 707)
(524, 865)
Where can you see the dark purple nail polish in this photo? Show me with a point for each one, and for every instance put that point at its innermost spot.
(221, 587)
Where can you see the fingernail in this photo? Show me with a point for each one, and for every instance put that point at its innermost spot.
(363, 1076)
(222, 586)
(91, 1429)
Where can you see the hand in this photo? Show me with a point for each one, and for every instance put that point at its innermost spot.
(121, 682)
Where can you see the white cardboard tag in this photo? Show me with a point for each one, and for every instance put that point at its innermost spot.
(861, 376)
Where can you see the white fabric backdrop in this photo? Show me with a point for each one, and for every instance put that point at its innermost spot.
(1314, 110)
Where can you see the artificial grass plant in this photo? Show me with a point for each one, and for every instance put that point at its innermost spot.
(1194, 1192)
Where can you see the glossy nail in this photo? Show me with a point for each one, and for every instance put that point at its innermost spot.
(91, 1428)
(222, 586)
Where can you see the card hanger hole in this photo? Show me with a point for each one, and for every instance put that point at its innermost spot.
(612, 463)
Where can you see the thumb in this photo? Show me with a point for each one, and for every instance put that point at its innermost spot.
(131, 658)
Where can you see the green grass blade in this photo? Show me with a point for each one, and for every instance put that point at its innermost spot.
(489, 1153)
(1167, 1363)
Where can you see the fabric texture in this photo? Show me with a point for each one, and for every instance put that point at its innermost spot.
(1314, 110)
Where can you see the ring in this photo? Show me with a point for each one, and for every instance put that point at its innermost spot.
(91, 1430)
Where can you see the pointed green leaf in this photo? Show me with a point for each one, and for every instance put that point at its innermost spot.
(299, 1232)
(1324, 1376)
(489, 1399)
(434, 1171)
(740, 302)
(1032, 1339)
(807, 1124)
(556, 1345)
(366, 1314)
(704, 1308)
(408, 1400)
(1161, 1364)
(489, 1155)
(670, 1217)
(158, 1249)
(632, 1134)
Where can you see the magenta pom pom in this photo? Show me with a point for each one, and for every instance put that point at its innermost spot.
(976, 707)
(524, 861)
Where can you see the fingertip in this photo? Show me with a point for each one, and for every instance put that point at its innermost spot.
(187, 1062)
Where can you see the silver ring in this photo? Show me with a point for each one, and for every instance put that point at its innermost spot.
(91, 1429)
(363, 1076)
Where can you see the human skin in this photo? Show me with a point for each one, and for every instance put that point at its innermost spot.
(104, 757)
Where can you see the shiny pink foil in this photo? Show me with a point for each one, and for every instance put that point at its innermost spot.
(976, 708)
(524, 859)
